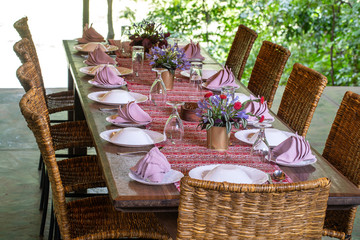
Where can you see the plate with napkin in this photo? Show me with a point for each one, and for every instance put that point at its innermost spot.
(106, 78)
(192, 52)
(92, 70)
(132, 137)
(90, 35)
(273, 136)
(229, 173)
(293, 152)
(117, 97)
(154, 169)
(90, 47)
(259, 109)
(130, 115)
(220, 79)
(98, 57)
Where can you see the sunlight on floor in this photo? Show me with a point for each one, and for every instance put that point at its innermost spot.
(50, 22)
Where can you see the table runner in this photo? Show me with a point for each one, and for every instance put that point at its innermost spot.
(192, 152)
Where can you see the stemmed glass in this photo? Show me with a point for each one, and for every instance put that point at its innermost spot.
(261, 146)
(174, 128)
(125, 41)
(158, 92)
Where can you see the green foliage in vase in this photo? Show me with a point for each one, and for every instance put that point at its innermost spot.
(323, 35)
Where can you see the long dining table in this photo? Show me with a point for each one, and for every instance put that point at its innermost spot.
(129, 195)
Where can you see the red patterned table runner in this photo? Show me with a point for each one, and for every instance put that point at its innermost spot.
(192, 152)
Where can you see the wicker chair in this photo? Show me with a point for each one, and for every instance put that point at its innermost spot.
(57, 102)
(240, 50)
(211, 210)
(267, 70)
(342, 150)
(73, 134)
(301, 96)
(88, 218)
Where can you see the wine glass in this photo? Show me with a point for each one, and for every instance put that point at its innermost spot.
(261, 146)
(137, 59)
(125, 41)
(158, 92)
(174, 128)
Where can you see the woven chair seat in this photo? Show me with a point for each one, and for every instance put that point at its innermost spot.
(71, 135)
(80, 173)
(96, 218)
(60, 101)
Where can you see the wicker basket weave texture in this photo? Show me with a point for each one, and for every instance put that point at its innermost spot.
(342, 150)
(57, 102)
(267, 71)
(211, 210)
(301, 96)
(240, 50)
(89, 218)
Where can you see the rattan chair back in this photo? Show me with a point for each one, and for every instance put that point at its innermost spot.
(342, 150)
(211, 210)
(240, 50)
(301, 96)
(22, 28)
(34, 110)
(267, 71)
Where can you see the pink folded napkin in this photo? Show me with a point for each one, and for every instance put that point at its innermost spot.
(192, 51)
(292, 150)
(106, 76)
(90, 35)
(152, 167)
(118, 44)
(222, 78)
(131, 112)
(97, 57)
(258, 109)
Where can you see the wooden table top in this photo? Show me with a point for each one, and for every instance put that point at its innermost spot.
(129, 195)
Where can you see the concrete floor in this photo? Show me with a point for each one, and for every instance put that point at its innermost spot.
(19, 188)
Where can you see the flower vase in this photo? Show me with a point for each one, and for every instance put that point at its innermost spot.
(218, 138)
(168, 79)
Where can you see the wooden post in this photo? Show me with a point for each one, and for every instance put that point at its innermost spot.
(110, 21)
(85, 13)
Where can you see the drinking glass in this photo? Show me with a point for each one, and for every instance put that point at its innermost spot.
(137, 59)
(158, 92)
(261, 146)
(176, 42)
(125, 41)
(174, 128)
(228, 91)
(196, 71)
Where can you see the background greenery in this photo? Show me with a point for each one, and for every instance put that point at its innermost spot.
(321, 34)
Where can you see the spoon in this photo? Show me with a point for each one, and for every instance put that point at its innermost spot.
(279, 175)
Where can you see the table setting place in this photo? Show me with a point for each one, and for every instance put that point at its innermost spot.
(186, 113)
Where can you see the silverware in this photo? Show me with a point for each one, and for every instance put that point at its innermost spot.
(279, 175)
(108, 109)
(134, 152)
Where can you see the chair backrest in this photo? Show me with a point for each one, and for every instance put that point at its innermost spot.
(29, 78)
(34, 110)
(301, 96)
(342, 148)
(22, 28)
(267, 71)
(240, 50)
(211, 210)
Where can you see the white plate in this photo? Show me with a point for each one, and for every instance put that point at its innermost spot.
(218, 89)
(245, 135)
(259, 177)
(109, 48)
(96, 84)
(129, 124)
(172, 176)
(206, 73)
(95, 96)
(155, 136)
(122, 70)
(296, 164)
